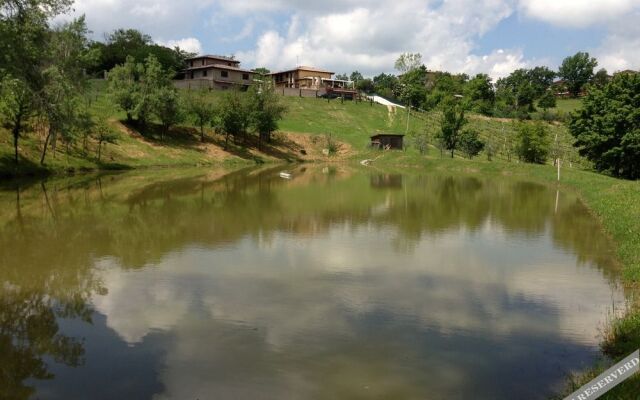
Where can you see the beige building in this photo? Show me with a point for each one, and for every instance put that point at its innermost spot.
(308, 78)
(302, 78)
(216, 72)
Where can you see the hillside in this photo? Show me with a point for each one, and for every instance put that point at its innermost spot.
(303, 135)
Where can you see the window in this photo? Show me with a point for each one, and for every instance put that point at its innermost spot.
(245, 77)
(224, 74)
(204, 73)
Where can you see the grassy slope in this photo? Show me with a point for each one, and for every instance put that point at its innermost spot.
(350, 122)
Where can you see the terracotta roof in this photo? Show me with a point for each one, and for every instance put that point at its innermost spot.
(220, 66)
(303, 68)
(225, 58)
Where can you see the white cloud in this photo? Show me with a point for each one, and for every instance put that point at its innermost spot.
(577, 12)
(371, 38)
(191, 44)
(621, 48)
(364, 35)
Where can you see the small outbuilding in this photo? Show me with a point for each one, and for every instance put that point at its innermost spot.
(387, 141)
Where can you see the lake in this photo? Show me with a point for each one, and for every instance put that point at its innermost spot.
(340, 283)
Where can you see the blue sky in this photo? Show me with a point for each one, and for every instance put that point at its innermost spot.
(472, 36)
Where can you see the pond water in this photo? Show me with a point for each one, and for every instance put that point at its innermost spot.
(340, 283)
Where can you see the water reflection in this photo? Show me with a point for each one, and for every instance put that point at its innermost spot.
(336, 284)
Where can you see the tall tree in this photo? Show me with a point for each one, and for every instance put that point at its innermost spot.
(167, 107)
(577, 71)
(607, 127)
(408, 61)
(24, 37)
(266, 109)
(541, 79)
(356, 76)
(124, 86)
(16, 105)
(64, 82)
(123, 43)
(234, 115)
(479, 92)
(451, 123)
(200, 108)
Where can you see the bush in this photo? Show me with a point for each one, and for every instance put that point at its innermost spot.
(533, 143)
(470, 144)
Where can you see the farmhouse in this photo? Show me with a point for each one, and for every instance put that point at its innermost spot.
(216, 72)
(315, 79)
(387, 141)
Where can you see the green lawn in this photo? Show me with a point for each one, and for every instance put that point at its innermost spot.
(568, 105)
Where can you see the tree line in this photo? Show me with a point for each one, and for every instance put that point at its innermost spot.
(145, 91)
(515, 96)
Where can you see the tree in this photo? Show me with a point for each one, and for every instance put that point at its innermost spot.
(24, 39)
(601, 78)
(266, 109)
(123, 43)
(470, 144)
(103, 135)
(386, 85)
(365, 85)
(547, 101)
(15, 107)
(480, 94)
(234, 115)
(200, 108)
(58, 103)
(451, 123)
(413, 86)
(533, 143)
(124, 86)
(607, 127)
(167, 107)
(154, 83)
(541, 79)
(517, 90)
(420, 140)
(577, 71)
(342, 77)
(262, 71)
(356, 76)
(408, 62)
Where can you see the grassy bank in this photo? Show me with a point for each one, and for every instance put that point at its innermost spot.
(349, 122)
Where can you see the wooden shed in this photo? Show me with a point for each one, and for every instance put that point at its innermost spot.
(387, 141)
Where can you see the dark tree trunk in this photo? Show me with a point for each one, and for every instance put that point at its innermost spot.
(202, 133)
(16, 136)
(452, 150)
(44, 149)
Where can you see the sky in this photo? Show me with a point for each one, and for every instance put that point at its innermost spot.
(470, 36)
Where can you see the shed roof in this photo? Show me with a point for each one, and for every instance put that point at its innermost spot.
(377, 135)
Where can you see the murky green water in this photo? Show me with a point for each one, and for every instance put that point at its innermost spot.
(337, 284)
